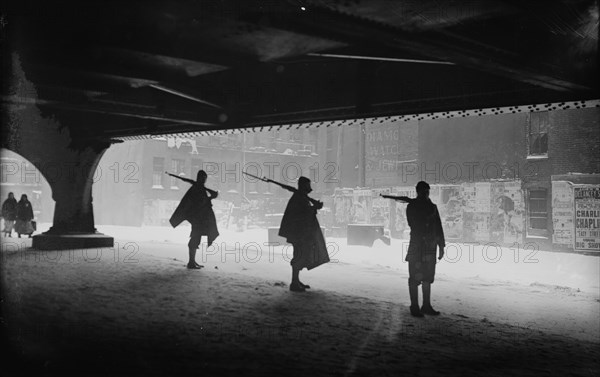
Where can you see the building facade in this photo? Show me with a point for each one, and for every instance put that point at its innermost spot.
(133, 188)
(525, 177)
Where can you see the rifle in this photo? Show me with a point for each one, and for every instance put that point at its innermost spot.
(317, 203)
(401, 198)
(213, 193)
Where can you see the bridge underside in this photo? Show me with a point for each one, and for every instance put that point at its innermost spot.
(81, 75)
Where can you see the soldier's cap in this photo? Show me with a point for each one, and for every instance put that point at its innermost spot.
(303, 181)
(422, 185)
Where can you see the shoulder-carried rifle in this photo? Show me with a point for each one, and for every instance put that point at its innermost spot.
(213, 193)
(317, 203)
(400, 198)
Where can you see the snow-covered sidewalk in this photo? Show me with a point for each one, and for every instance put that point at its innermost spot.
(135, 309)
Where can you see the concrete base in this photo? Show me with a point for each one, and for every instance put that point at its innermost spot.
(71, 241)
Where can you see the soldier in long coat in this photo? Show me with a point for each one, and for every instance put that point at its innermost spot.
(196, 208)
(426, 235)
(301, 228)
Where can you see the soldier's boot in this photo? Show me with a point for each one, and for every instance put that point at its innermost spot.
(427, 308)
(413, 291)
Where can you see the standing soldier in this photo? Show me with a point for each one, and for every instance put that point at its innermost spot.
(426, 234)
(301, 228)
(196, 207)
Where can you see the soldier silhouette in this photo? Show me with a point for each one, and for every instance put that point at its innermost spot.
(301, 228)
(426, 234)
(196, 207)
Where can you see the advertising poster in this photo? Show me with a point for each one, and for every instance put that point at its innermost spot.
(507, 211)
(361, 206)
(398, 225)
(380, 208)
(482, 197)
(512, 206)
(499, 207)
(342, 206)
(562, 213)
(587, 218)
(450, 207)
(468, 195)
(481, 228)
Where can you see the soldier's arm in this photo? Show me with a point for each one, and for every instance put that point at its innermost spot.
(190, 181)
(441, 240)
(213, 194)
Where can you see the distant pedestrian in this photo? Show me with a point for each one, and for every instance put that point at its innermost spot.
(426, 235)
(9, 214)
(24, 217)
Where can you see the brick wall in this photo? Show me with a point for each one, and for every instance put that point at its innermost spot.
(574, 142)
(472, 149)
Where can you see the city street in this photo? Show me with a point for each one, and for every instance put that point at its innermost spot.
(137, 306)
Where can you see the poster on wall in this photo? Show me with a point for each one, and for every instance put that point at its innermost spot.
(512, 207)
(398, 225)
(468, 195)
(450, 206)
(587, 218)
(499, 207)
(361, 205)
(506, 212)
(342, 207)
(482, 197)
(380, 208)
(562, 213)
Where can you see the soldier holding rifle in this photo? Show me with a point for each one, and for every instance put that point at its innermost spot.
(426, 235)
(196, 207)
(301, 228)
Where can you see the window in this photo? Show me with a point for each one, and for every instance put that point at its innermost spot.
(538, 212)
(176, 168)
(539, 124)
(157, 172)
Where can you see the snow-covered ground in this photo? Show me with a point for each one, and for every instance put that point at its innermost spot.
(498, 304)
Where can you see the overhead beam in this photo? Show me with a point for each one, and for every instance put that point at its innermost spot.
(183, 95)
(115, 109)
(378, 58)
(108, 83)
(362, 32)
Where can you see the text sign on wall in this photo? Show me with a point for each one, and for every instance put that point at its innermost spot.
(587, 218)
(390, 153)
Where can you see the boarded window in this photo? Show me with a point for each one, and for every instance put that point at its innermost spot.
(538, 211)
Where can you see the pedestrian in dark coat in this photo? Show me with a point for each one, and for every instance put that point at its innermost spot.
(301, 228)
(426, 235)
(196, 208)
(9, 213)
(24, 217)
